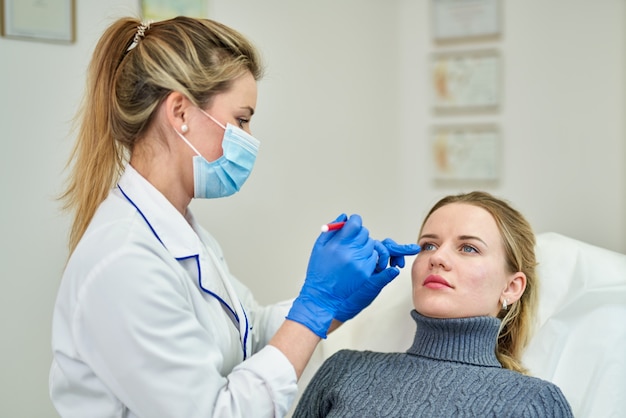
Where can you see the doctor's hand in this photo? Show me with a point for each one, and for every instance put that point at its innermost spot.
(389, 253)
(392, 253)
(341, 263)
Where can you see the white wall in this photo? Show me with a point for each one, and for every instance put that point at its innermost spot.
(343, 116)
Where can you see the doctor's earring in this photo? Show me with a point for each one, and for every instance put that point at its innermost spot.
(184, 128)
(505, 305)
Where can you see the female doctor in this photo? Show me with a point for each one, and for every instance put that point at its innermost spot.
(148, 321)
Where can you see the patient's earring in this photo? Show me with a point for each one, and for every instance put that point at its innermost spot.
(184, 128)
(505, 305)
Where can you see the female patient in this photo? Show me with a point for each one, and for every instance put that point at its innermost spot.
(475, 295)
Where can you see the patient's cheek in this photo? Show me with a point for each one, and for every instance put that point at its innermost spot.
(417, 269)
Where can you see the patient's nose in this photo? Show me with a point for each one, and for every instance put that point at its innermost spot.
(439, 258)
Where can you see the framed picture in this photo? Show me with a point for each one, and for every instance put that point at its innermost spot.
(46, 20)
(468, 80)
(465, 19)
(466, 152)
(156, 10)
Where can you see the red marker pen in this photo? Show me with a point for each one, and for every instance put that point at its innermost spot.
(332, 226)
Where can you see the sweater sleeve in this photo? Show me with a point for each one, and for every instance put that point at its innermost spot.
(549, 402)
(315, 401)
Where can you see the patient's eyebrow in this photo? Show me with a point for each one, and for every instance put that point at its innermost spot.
(431, 236)
(472, 237)
(460, 238)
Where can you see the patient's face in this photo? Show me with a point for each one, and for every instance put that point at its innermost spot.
(460, 271)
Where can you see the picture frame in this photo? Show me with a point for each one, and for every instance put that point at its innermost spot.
(466, 153)
(156, 10)
(466, 81)
(456, 20)
(49, 20)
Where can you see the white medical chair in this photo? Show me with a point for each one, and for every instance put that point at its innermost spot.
(580, 339)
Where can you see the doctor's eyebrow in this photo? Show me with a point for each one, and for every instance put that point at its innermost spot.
(249, 109)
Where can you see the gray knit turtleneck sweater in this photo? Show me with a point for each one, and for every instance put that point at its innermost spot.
(451, 370)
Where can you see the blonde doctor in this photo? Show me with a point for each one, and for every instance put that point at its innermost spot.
(148, 320)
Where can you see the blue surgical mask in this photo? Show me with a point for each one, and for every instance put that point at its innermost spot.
(224, 176)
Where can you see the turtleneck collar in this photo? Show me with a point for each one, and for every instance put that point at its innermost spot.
(462, 340)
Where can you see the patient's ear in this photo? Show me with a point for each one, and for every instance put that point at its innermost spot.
(516, 284)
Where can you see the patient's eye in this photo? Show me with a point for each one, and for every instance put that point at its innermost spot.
(427, 246)
(466, 248)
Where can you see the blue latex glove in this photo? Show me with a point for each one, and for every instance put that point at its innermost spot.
(389, 252)
(341, 261)
(393, 253)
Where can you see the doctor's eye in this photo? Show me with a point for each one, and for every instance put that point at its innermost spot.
(242, 122)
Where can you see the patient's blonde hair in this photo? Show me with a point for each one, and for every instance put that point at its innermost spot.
(133, 69)
(519, 246)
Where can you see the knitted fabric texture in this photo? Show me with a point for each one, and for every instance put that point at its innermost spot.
(451, 370)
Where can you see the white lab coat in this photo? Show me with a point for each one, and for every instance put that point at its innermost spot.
(149, 322)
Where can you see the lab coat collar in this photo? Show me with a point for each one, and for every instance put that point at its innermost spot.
(174, 230)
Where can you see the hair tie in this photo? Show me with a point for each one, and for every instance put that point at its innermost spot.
(141, 33)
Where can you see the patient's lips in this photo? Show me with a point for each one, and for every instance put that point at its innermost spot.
(436, 282)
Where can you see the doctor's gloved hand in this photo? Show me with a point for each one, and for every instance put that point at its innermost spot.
(392, 253)
(341, 262)
(389, 253)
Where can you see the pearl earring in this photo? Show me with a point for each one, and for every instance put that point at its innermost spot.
(184, 128)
